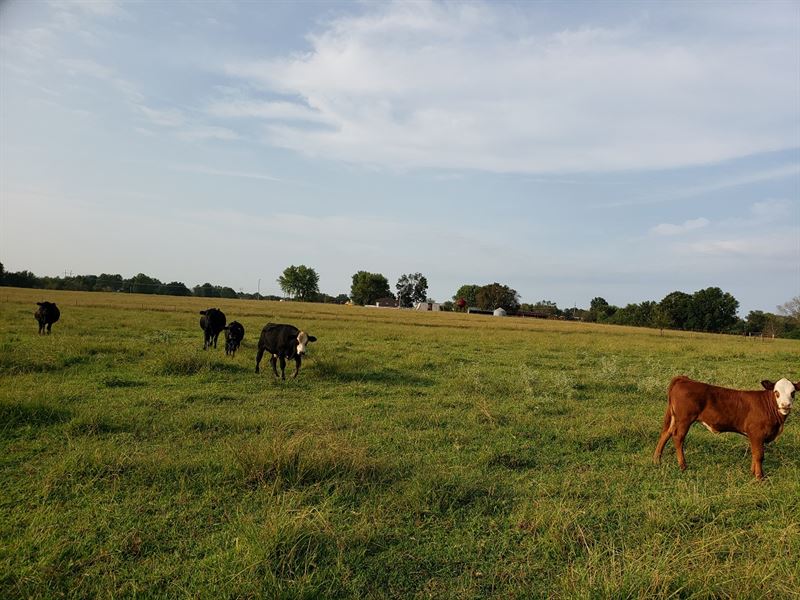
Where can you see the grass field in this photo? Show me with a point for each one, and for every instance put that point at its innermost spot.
(415, 456)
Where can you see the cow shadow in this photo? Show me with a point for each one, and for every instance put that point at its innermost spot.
(384, 376)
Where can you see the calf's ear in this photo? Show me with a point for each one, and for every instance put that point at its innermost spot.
(202, 312)
(768, 385)
(311, 338)
(796, 385)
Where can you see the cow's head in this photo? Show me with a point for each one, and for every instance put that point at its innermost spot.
(784, 391)
(302, 340)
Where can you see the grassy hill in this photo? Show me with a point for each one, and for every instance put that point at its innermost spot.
(416, 455)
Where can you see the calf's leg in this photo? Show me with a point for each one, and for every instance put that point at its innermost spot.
(274, 361)
(666, 432)
(757, 449)
(678, 435)
(283, 368)
(258, 357)
(297, 361)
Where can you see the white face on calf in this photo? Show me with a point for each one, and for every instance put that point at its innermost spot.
(784, 395)
(302, 340)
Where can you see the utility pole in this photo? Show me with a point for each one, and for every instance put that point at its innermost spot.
(259, 286)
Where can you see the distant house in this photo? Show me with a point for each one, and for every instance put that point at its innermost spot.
(387, 302)
(427, 306)
(500, 312)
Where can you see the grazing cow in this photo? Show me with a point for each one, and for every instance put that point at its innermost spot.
(759, 414)
(46, 315)
(212, 323)
(282, 342)
(234, 334)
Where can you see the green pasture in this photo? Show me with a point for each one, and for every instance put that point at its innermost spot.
(415, 456)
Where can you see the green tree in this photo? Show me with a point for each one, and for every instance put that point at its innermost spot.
(206, 291)
(300, 283)
(468, 293)
(676, 308)
(368, 288)
(712, 310)
(143, 284)
(175, 288)
(600, 310)
(411, 288)
(496, 295)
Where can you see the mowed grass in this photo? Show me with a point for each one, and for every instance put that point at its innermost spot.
(416, 456)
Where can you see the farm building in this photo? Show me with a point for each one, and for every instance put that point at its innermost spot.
(428, 306)
(387, 302)
(500, 312)
(474, 310)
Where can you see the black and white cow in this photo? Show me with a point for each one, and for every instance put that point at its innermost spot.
(282, 342)
(234, 334)
(46, 315)
(212, 323)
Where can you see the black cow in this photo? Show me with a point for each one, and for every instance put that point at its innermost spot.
(282, 342)
(212, 323)
(46, 315)
(234, 334)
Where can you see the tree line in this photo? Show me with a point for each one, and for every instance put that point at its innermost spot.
(710, 309)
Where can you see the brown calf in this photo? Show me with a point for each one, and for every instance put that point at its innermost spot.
(759, 414)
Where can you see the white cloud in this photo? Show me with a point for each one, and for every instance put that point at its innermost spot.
(202, 169)
(782, 247)
(686, 226)
(452, 86)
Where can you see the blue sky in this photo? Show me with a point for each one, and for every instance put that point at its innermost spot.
(567, 149)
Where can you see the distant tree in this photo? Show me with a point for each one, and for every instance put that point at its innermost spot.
(300, 283)
(411, 288)
(676, 308)
(448, 306)
(2, 273)
(791, 309)
(368, 288)
(175, 288)
(206, 291)
(23, 279)
(108, 283)
(496, 295)
(600, 310)
(660, 318)
(712, 310)
(342, 299)
(468, 293)
(227, 292)
(143, 284)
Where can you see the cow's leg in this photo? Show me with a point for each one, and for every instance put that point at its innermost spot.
(283, 368)
(274, 362)
(757, 449)
(205, 341)
(666, 432)
(297, 361)
(49, 325)
(258, 357)
(216, 335)
(678, 435)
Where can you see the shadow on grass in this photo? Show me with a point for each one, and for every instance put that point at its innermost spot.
(385, 376)
(14, 415)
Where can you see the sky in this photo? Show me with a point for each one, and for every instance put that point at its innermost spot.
(566, 149)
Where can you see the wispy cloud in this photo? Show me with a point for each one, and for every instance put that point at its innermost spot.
(755, 177)
(223, 173)
(685, 227)
(454, 86)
